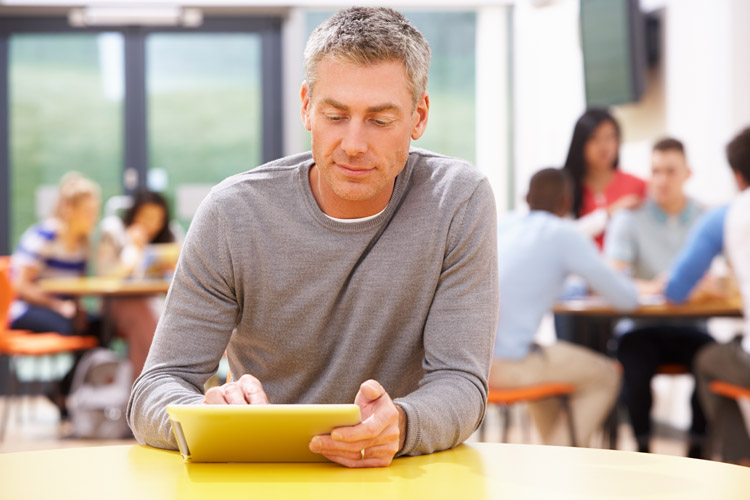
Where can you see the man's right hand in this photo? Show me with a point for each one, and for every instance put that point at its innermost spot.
(246, 391)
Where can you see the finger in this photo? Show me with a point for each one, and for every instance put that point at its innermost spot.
(376, 429)
(253, 390)
(214, 396)
(386, 440)
(233, 394)
(354, 451)
(381, 425)
(370, 390)
(357, 463)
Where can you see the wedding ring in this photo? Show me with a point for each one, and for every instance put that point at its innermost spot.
(362, 452)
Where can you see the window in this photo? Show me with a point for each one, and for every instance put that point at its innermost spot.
(181, 107)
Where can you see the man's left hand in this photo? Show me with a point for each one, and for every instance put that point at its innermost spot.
(373, 442)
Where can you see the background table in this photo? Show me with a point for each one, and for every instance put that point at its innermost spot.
(471, 472)
(107, 289)
(595, 307)
(104, 286)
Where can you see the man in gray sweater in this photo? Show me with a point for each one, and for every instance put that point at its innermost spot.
(363, 271)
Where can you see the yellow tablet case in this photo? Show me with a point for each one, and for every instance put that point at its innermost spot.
(255, 433)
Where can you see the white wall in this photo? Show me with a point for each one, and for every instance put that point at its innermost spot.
(699, 94)
(701, 39)
(492, 113)
(548, 86)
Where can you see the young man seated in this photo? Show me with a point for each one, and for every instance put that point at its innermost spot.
(536, 252)
(723, 229)
(644, 242)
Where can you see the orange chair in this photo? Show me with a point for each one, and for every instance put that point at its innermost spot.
(505, 398)
(15, 343)
(728, 390)
(740, 394)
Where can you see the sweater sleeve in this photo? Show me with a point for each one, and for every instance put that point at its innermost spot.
(459, 334)
(581, 258)
(705, 241)
(199, 315)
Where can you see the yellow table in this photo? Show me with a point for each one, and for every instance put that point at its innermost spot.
(470, 472)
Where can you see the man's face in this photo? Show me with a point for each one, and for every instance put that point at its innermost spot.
(362, 121)
(668, 175)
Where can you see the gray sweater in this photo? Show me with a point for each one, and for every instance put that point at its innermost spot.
(418, 313)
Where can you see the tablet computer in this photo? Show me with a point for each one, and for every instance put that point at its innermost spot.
(255, 433)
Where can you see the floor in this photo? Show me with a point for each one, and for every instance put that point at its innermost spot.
(34, 425)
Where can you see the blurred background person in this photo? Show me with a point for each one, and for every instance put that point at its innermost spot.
(600, 188)
(644, 243)
(723, 229)
(57, 247)
(123, 252)
(536, 252)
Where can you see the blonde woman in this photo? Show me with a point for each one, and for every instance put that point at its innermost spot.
(54, 248)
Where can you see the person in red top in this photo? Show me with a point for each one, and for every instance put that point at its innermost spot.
(600, 187)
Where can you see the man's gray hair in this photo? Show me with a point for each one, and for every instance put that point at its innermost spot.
(370, 35)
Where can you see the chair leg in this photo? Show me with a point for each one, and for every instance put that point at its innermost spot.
(12, 388)
(483, 428)
(525, 423)
(505, 410)
(565, 402)
(611, 427)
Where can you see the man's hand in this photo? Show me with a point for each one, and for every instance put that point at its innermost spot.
(627, 202)
(373, 442)
(246, 391)
(655, 286)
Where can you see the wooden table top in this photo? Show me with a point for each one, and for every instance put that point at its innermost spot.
(104, 286)
(652, 307)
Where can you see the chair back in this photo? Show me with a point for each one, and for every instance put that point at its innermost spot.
(6, 294)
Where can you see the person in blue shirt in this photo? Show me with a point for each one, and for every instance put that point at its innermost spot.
(537, 251)
(645, 242)
(730, 362)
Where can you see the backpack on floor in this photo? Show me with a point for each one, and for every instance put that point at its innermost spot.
(99, 396)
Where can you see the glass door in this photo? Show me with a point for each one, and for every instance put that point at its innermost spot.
(65, 102)
(205, 107)
(170, 108)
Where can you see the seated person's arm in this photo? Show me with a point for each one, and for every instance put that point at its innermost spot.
(120, 263)
(594, 223)
(199, 315)
(459, 334)
(582, 259)
(108, 258)
(705, 241)
(28, 291)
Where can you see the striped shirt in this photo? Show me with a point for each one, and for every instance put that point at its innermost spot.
(40, 247)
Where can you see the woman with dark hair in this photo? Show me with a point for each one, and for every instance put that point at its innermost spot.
(599, 187)
(124, 241)
(124, 248)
